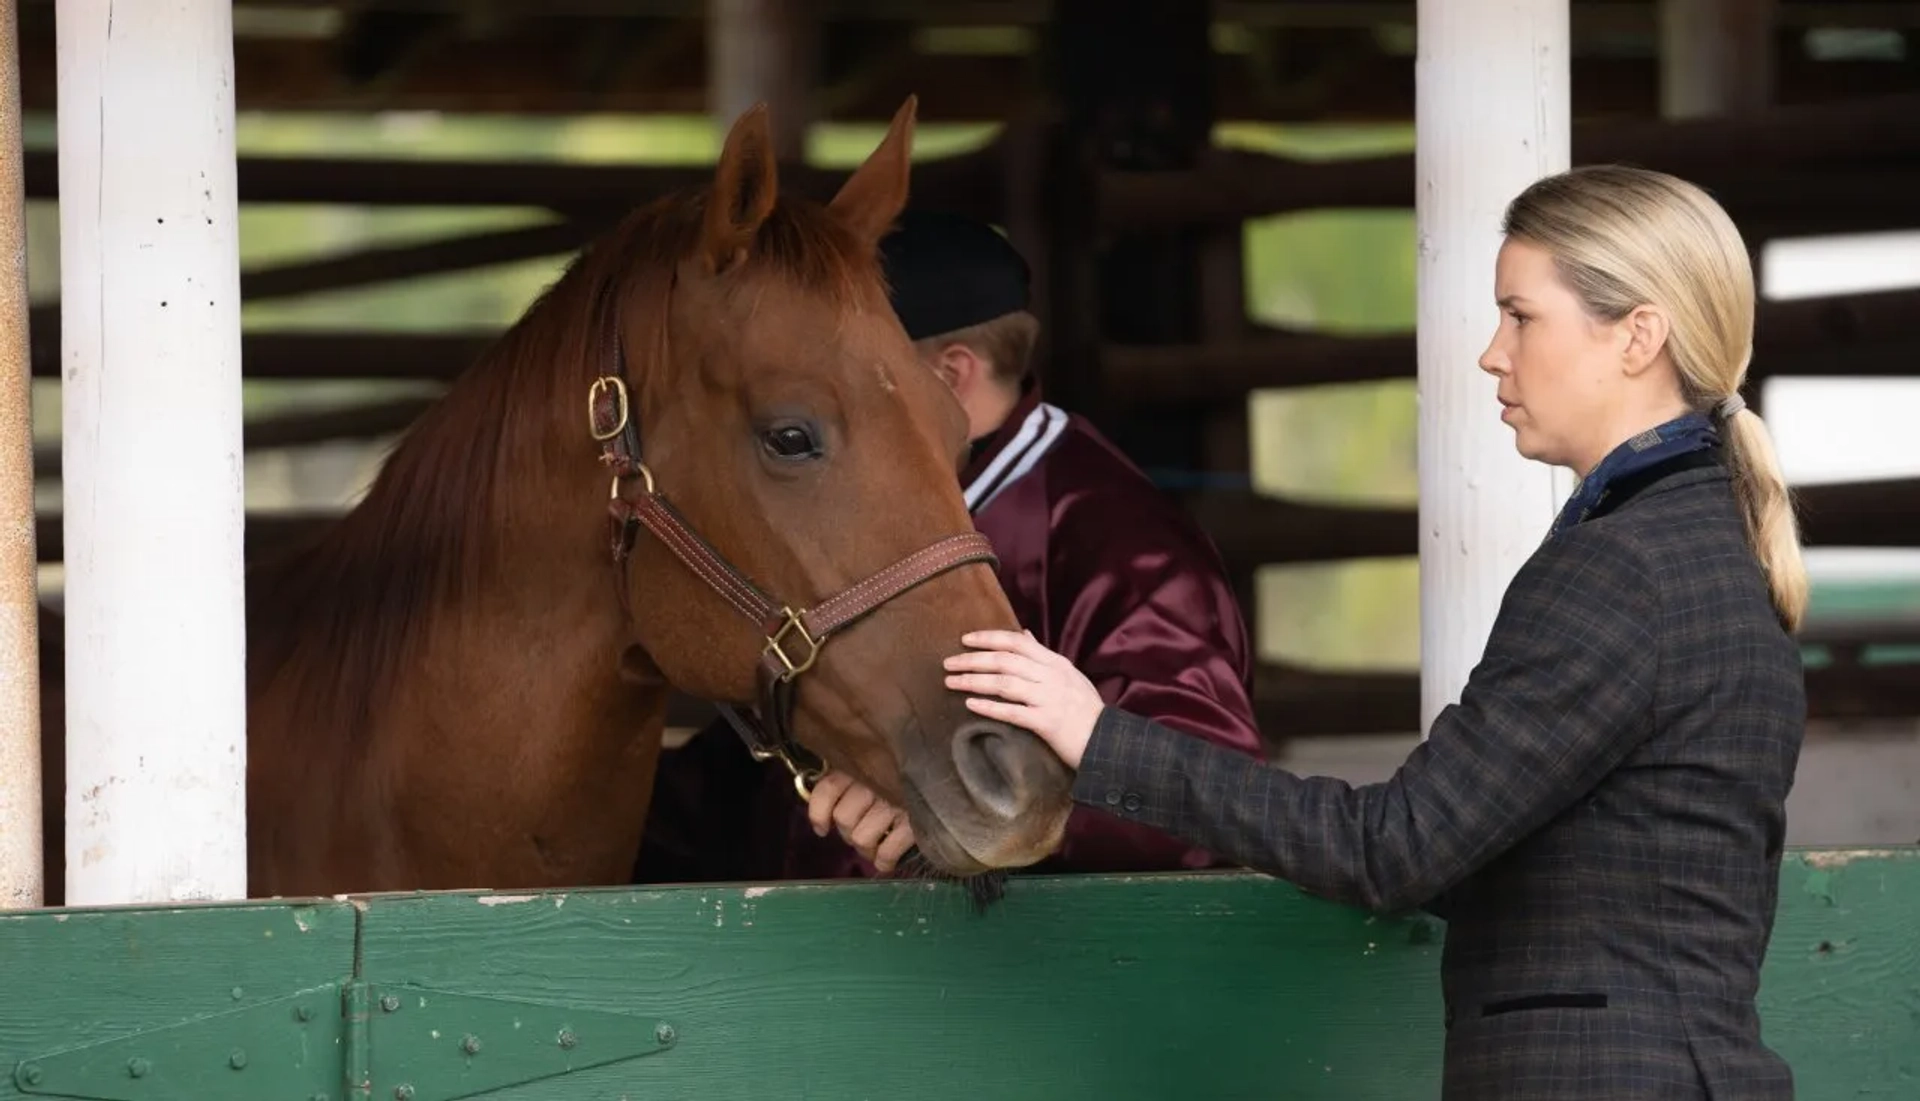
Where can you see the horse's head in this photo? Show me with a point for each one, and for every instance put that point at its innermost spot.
(811, 463)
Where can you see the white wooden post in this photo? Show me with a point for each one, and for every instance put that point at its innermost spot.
(20, 834)
(151, 454)
(1491, 115)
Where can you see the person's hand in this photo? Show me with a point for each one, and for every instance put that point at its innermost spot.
(876, 829)
(1036, 689)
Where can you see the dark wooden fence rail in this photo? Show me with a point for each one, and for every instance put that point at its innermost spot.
(969, 181)
(1858, 335)
(1787, 165)
(1855, 335)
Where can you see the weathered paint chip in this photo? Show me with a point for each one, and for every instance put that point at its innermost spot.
(1840, 858)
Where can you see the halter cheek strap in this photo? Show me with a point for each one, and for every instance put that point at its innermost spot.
(792, 639)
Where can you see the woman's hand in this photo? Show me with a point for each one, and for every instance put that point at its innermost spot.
(1037, 689)
(876, 829)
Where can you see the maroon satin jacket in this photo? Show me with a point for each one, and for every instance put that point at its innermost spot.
(1102, 567)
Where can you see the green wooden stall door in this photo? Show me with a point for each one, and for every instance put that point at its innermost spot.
(1171, 986)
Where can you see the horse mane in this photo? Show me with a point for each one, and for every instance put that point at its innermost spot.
(345, 615)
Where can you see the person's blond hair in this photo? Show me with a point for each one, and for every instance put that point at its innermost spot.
(1625, 237)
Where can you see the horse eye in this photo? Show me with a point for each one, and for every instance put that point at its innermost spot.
(790, 442)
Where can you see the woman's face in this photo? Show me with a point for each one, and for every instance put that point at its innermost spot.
(1562, 373)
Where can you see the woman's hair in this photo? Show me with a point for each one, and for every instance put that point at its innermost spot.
(1625, 237)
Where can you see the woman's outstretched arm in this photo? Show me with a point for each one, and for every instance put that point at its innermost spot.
(1563, 694)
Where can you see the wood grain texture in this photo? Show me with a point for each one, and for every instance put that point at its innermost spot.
(1124, 987)
(1492, 115)
(154, 689)
(1840, 994)
(1218, 985)
(73, 977)
(1166, 986)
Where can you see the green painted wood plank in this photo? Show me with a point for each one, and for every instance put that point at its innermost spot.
(1840, 994)
(1119, 987)
(82, 976)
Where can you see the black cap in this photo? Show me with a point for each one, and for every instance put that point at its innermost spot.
(947, 272)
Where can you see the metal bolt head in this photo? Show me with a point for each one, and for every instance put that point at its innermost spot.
(403, 1092)
(664, 1034)
(470, 1044)
(238, 1060)
(303, 1013)
(30, 1074)
(389, 1002)
(138, 1067)
(567, 1038)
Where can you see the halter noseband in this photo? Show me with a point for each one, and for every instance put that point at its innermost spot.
(793, 639)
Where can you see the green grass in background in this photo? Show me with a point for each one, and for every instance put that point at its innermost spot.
(1350, 272)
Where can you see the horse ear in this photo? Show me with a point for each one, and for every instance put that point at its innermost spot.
(745, 185)
(877, 191)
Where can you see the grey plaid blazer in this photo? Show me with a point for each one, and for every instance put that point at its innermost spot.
(1599, 819)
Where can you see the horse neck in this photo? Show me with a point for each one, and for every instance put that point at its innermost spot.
(464, 593)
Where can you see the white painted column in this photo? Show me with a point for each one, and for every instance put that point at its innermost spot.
(20, 834)
(1491, 115)
(150, 351)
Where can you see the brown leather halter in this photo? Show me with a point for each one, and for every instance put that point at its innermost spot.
(792, 638)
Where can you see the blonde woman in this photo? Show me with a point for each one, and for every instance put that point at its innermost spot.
(1600, 816)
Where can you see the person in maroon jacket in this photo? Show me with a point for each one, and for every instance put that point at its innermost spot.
(1098, 563)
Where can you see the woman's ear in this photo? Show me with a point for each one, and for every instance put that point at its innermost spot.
(1646, 328)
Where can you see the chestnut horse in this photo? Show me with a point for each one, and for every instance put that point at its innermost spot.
(705, 459)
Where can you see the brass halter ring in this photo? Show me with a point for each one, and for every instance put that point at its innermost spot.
(646, 475)
(602, 385)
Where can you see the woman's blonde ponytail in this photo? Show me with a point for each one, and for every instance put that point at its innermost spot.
(1768, 507)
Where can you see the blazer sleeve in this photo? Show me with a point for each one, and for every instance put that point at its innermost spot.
(1564, 692)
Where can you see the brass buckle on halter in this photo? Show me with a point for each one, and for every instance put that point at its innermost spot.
(600, 386)
(791, 625)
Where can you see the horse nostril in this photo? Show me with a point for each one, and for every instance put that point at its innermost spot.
(987, 756)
